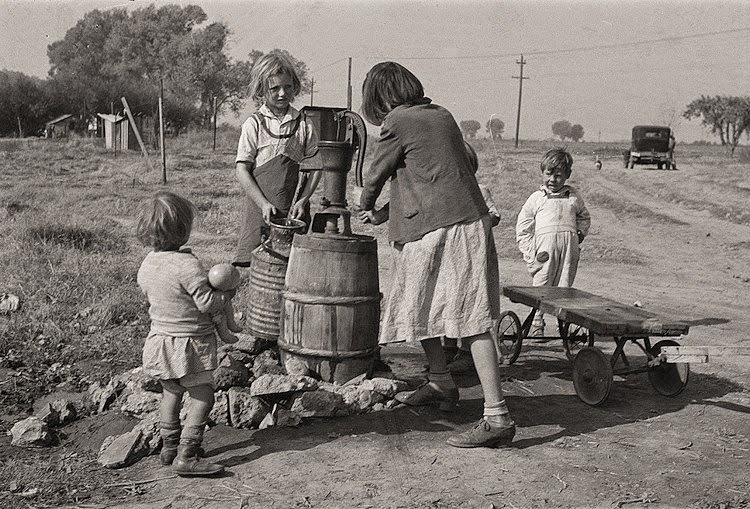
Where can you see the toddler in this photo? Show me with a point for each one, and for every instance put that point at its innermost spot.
(551, 225)
(180, 350)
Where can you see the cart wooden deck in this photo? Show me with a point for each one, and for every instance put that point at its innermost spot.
(582, 316)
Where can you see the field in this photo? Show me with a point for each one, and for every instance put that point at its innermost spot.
(676, 241)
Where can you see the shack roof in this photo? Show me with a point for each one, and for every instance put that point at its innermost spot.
(60, 119)
(110, 118)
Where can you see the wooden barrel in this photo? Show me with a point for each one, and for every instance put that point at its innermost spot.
(331, 305)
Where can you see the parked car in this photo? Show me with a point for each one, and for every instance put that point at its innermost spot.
(649, 144)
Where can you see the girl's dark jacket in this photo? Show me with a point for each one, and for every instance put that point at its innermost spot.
(421, 149)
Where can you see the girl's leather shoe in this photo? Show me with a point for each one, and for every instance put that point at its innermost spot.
(427, 394)
(483, 434)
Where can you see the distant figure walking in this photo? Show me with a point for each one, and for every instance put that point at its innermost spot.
(551, 225)
(670, 152)
(445, 275)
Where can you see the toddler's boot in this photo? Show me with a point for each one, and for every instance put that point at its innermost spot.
(187, 462)
(170, 439)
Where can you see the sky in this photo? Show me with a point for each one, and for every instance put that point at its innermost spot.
(604, 64)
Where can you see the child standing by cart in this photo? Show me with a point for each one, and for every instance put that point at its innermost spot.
(180, 350)
(273, 142)
(550, 227)
(446, 280)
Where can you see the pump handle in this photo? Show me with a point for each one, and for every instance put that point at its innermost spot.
(360, 138)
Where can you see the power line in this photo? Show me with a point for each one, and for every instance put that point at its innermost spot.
(582, 48)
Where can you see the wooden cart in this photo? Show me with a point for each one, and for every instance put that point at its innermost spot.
(582, 317)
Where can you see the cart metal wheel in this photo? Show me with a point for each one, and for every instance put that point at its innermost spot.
(574, 338)
(669, 379)
(508, 338)
(592, 376)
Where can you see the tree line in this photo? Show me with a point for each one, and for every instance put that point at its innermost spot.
(115, 53)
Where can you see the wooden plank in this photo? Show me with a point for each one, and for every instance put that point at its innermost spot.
(711, 351)
(600, 315)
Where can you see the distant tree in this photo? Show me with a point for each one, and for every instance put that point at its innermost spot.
(727, 116)
(117, 53)
(576, 132)
(561, 128)
(470, 128)
(22, 104)
(495, 128)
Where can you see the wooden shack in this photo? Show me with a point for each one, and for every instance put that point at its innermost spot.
(59, 127)
(116, 131)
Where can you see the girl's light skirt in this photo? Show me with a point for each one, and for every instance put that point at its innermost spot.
(445, 284)
(191, 359)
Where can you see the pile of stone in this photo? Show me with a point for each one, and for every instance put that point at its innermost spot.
(253, 391)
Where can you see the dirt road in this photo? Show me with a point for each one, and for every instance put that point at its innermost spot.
(639, 449)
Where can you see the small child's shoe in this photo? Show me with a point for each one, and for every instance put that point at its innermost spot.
(484, 434)
(427, 394)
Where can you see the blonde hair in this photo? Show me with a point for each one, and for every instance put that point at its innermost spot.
(387, 85)
(165, 222)
(269, 65)
(557, 157)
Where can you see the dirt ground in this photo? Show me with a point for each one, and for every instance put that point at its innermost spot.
(639, 449)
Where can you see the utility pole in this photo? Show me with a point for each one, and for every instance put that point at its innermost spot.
(520, 79)
(161, 133)
(349, 87)
(216, 113)
(312, 90)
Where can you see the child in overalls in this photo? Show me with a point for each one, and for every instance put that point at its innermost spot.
(274, 140)
(550, 227)
(445, 270)
(180, 350)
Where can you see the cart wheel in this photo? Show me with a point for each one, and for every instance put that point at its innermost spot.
(592, 376)
(508, 338)
(659, 166)
(669, 379)
(574, 338)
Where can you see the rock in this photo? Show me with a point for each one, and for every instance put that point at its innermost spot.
(9, 302)
(231, 374)
(281, 384)
(101, 397)
(361, 400)
(317, 403)
(386, 386)
(30, 432)
(136, 379)
(58, 413)
(247, 344)
(243, 357)
(220, 412)
(245, 409)
(119, 451)
(357, 379)
(150, 439)
(378, 407)
(141, 402)
(66, 411)
(266, 363)
(296, 366)
(286, 417)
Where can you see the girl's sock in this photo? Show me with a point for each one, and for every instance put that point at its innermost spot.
(497, 414)
(441, 379)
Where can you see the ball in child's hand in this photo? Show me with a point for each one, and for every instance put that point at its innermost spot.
(224, 277)
(542, 256)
